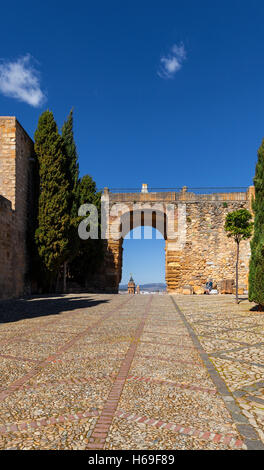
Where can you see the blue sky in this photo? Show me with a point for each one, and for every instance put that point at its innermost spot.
(144, 256)
(168, 93)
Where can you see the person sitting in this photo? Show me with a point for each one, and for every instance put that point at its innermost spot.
(208, 287)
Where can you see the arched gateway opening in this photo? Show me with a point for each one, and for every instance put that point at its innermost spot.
(143, 258)
(192, 224)
(134, 210)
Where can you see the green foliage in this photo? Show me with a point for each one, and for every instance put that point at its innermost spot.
(256, 290)
(61, 193)
(86, 191)
(90, 252)
(52, 234)
(256, 267)
(238, 225)
(72, 172)
(71, 152)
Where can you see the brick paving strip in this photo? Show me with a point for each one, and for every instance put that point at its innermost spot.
(50, 359)
(246, 430)
(76, 416)
(37, 423)
(100, 432)
(83, 380)
(14, 386)
(18, 358)
(71, 381)
(212, 436)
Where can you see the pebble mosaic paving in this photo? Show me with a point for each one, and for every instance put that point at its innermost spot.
(95, 371)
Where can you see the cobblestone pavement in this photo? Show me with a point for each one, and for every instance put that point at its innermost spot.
(131, 372)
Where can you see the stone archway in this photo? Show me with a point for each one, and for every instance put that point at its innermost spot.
(196, 245)
(126, 222)
(127, 213)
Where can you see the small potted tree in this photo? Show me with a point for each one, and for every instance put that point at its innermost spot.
(238, 226)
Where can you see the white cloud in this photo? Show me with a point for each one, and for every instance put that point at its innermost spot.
(20, 80)
(172, 63)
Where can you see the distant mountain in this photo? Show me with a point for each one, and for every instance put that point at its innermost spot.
(152, 287)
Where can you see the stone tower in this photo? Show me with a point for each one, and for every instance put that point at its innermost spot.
(131, 286)
(16, 163)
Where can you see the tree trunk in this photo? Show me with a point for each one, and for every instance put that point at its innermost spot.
(237, 260)
(57, 287)
(64, 277)
(51, 286)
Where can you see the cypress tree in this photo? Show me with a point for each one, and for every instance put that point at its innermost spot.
(256, 267)
(90, 252)
(71, 152)
(52, 234)
(73, 176)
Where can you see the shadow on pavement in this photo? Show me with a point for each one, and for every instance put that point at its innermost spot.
(15, 310)
(257, 308)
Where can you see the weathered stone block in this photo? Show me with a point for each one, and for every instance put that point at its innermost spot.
(198, 290)
(227, 286)
(187, 290)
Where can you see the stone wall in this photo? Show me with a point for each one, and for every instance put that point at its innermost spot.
(16, 164)
(7, 270)
(208, 252)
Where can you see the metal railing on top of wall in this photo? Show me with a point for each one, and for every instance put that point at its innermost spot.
(180, 194)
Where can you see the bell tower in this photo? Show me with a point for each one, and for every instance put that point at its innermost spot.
(131, 286)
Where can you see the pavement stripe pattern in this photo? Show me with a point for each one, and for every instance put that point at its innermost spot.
(42, 364)
(137, 375)
(246, 430)
(100, 432)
